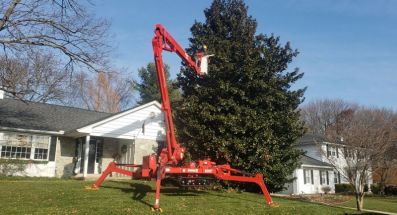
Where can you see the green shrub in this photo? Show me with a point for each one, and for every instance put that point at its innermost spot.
(343, 188)
(348, 188)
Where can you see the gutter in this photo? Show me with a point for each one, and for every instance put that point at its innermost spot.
(32, 130)
(315, 166)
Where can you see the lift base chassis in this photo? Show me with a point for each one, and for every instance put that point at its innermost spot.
(188, 174)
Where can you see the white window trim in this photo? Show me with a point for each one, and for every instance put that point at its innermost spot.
(307, 174)
(32, 148)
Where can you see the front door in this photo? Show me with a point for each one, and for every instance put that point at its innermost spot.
(94, 155)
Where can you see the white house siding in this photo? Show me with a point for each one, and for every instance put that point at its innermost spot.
(316, 186)
(298, 186)
(140, 123)
(318, 151)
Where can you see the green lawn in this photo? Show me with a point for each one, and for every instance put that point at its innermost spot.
(51, 196)
(388, 204)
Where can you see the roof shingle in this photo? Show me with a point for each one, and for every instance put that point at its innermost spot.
(40, 116)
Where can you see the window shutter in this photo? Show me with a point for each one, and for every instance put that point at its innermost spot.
(321, 177)
(337, 152)
(338, 177)
(53, 146)
(327, 178)
(311, 173)
(328, 152)
(304, 176)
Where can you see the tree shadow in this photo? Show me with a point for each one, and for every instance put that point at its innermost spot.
(178, 191)
(140, 190)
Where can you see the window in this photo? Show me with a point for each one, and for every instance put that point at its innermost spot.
(328, 150)
(17, 152)
(24, 146)
(349, 153)
(324, 178)
(40, 154)
(332, 151)
(308, 176)
(40, 144)
(336, 177)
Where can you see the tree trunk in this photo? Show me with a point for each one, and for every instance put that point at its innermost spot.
(382, 187)
(359, 201)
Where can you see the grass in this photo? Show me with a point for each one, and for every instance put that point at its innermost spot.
(388, 204)
(37, 196)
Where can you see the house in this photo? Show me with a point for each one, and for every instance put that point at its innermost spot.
(59, 141)
(312, 176)
(320, 166)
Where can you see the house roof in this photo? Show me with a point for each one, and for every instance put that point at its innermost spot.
(308, 161)
(46, 117)
(311, 139)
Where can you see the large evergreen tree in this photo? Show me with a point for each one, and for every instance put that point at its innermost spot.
(148, 87)
(244, 111)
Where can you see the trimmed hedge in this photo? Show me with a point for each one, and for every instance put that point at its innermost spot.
(375, 189)
(343, 188)
(391, 190)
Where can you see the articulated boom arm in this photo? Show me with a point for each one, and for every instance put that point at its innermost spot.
(162, 40)
(166, 42)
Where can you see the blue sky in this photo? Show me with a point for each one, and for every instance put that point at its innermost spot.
(348, 49)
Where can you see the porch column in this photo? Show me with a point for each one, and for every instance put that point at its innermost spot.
(86, 153)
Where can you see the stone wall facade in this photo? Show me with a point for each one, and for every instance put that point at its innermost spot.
(65, 152)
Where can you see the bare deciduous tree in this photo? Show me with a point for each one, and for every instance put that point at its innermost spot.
(59, 28)
(37, 78)
(365, 133)
(105, 91)
(385, 168)
(319, 115)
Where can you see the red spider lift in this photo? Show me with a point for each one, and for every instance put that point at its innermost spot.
(169, 161)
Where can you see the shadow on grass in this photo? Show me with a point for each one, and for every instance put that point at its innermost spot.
(139, 190)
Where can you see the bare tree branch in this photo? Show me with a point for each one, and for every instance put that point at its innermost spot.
(61, 28)
(8, 13)
(104, 91)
